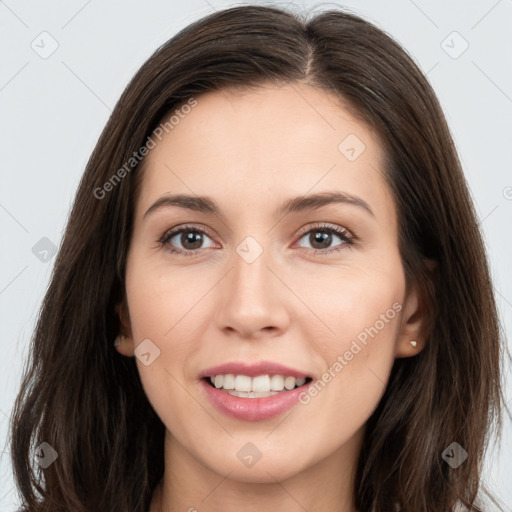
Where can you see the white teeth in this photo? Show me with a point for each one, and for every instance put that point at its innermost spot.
(264, 385)
(251, 394)
(243, 383)
(277, 382)
(229, 381)
(261, 384)
(289, 382)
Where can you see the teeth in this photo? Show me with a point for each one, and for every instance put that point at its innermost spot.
(277, 382)
(229, 382)
(264, 385)
(242, 383)
(289, 382)
(251, 394)
(261, 384)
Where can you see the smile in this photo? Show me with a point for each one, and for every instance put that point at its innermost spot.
(260, 386)
(253, 391)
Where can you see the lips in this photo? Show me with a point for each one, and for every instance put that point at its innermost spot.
(253, 405)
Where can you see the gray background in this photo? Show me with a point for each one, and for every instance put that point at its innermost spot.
(53, 108)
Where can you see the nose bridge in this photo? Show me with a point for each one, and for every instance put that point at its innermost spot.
(252, 298)
(251, 276)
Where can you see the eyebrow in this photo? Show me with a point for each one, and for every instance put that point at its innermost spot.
(205, 204)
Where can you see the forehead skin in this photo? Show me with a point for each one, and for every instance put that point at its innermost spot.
(253, 149)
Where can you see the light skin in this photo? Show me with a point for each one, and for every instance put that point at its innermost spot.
(250, 152)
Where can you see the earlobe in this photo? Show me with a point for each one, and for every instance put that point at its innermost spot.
(124, 345)
(415, 324)
(411, 339)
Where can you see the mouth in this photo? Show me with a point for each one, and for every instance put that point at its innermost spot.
(253, 391)
(260, 386)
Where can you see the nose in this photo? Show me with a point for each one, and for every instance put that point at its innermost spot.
(253, 301)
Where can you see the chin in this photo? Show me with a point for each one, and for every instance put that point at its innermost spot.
(255, 461)
(262, 472)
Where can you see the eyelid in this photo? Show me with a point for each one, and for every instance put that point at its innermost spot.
(326, 225)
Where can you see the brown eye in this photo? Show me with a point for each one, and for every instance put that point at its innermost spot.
(321, 238)
(187, 240)
(191, 239)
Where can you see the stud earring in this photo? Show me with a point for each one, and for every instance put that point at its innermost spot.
(413, 343)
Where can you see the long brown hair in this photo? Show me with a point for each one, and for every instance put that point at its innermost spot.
(86, 401)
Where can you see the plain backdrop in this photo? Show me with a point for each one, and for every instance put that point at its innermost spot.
(64, 64)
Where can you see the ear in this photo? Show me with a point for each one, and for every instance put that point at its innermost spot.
(414, 326)
(126, 346)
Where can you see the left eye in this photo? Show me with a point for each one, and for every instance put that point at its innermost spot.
(322, 238)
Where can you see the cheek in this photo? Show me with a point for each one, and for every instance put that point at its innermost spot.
(364, 315)
(361, 304)
(163, 309)
(362, 310)
(163, 301)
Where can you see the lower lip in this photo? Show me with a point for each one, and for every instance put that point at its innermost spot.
(252, 409)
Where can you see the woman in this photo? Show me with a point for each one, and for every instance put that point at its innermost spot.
(358, 372)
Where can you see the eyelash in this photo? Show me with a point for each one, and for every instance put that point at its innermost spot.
(348, 239)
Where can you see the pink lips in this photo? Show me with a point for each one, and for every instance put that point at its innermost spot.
(252, 409)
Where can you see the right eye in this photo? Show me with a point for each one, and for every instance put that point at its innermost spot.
(189, 237)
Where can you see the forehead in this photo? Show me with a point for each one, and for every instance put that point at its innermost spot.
(255, 146)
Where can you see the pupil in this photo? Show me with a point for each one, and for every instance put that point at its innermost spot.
(321, 237)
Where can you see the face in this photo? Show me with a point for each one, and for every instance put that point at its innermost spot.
(315, 292)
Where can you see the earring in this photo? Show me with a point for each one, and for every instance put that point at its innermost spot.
(117, 342)
(413, 343)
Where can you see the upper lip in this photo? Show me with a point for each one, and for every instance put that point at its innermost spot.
(252, 369)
